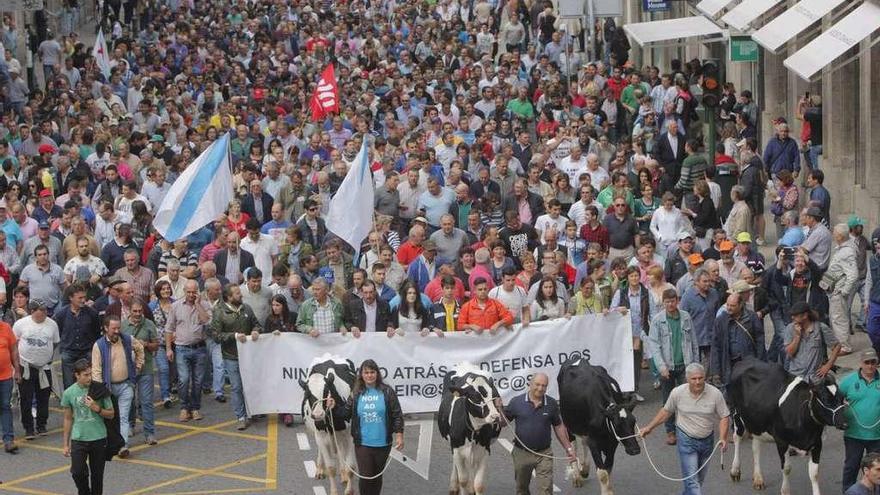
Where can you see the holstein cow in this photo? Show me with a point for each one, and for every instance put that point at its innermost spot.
(469, 419)
(329, 376)
(595, 411)
(764, 398)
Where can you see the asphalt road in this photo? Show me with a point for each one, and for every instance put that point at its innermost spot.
(211, 457)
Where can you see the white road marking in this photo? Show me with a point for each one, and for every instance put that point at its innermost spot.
(319, 490)
(303, 440)
(311, 469)
(421, 464)
(508, 446)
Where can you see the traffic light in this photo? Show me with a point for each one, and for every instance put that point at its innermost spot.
(711, 84)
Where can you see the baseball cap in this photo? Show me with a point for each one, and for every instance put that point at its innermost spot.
(744, 237)
(725, 246)
(875, 236)
(46, 148)
(696, 259)
(36, 304)
(420, 219)
(45, 193)
(854, 221)
(739, 287)
(157, 138)
(869, 354)
(684, 235)
(43, 224)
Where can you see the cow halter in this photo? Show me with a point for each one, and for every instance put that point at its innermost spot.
(822, 404)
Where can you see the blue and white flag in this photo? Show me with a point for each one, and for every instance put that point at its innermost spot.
(201, 193)
(351, 208)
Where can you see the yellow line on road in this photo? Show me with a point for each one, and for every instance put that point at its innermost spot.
(176, 467)
(217, 432)
(153, 488)
(5, 488)
(272, 453)
(187, 434)
(35, 476)
(225, 490)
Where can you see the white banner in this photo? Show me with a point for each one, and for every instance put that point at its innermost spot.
(415, 366)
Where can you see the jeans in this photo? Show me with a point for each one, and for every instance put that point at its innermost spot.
(776, 352)
(68, 359)
(27, 391)
(236, 392)
(190, 369)
(214, 373)
(6, 409)
(124, 393)
(144, 385)
(854, 449)
(93, 452)
(814, 153)
(167, 373)
(872, 324)
(692, 453)
(676, 378)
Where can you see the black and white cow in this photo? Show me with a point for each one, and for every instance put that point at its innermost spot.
(764, 398)
(469, 419)
(330, 376)
(596, 412)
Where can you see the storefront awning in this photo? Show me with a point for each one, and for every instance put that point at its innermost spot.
(711, 8)
(834, 42)
(792, 22)
(675, 31)
(741, 16)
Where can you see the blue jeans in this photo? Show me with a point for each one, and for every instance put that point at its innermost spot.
(68, 359)
(872, 324)
(814, 153)
(6, 409)
(692, 453)
(854, 450)
(124, 393)
(237, 393)
(144, 383)
(776, 352)
(215, 372)
(164, 371)
(190, 369)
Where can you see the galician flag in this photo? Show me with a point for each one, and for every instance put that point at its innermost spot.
(102, 56)
(201, 193)
(351, 208)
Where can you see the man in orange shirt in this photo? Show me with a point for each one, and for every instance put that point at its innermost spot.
(483, 313)
(9, 375)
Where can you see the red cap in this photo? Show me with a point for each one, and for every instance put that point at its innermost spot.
(46, 148)
(45, 193)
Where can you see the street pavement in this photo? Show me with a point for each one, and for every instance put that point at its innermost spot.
(211, 457)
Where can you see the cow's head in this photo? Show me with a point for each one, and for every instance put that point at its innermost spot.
(331, 378)
(620, 419)
(479, 392)
(828, 403)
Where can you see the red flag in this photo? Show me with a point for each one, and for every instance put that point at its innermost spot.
(325, 99)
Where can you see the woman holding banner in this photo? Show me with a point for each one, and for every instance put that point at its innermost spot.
(375, 416)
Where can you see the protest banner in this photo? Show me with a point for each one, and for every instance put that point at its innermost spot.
(415, 366)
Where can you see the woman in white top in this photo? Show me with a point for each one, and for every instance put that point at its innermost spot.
(410, 315)
(547, 304)
(667, 221)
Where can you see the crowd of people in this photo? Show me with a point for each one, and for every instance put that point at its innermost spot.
(519, 178)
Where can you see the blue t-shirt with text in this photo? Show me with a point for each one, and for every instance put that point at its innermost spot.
(371, 411)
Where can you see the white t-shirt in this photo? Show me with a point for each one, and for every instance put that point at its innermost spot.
(573, 168)
(264, 251)
(514, 300)
(36, 341)
(82, 269)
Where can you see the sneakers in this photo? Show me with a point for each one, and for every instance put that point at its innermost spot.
(29, 435)
(670, 438)
(151, 440)
(184, 416)
(638, 398)
(196, 415)
(166, 403)
(287, 419)
(243, 424)
(656, 384)
(124, 453)
(759, 241)
(220, 398)
(41, 431)
(10, 447)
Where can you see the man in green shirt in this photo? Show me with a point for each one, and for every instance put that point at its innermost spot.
(145, 331)
(862, 391)
(521, 106)
(85, 435)
(673, 346)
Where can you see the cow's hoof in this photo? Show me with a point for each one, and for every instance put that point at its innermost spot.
(735, 476)
(577, 482)
(758, 484)
(585, 474)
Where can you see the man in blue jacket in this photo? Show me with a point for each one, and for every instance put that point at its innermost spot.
(782, 153)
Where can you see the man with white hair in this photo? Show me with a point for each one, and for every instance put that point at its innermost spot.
(839, 281)
(574, 164)
(696, 406)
